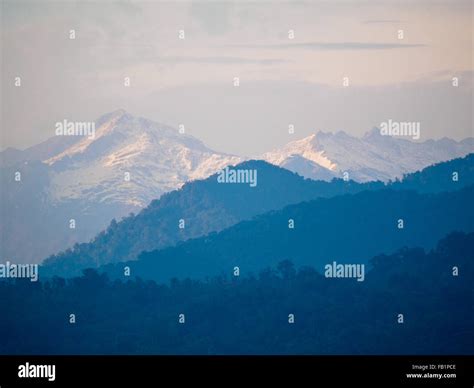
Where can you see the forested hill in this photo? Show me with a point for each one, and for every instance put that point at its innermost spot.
(348, 228)
(251, 315)
(206, 206)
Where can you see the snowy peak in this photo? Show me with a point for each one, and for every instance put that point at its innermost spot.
(119, 135)
(87, 141)
(130, 160)
(372, 157)
(307, 148)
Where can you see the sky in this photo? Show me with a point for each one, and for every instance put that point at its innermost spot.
(285, 77)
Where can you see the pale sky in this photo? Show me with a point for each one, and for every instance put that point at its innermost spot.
(282, 81)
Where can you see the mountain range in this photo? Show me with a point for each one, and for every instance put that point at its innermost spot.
(205, 206)
(132, 161)
(372, 157)
(238, 259)
(346, 229)
(129, 162)
(208, 207)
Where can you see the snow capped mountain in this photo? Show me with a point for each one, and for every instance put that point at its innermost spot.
(372, 157)
(92, 179)
(130, 160)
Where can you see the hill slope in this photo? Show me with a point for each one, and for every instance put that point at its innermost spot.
(205, 206)
(249, 315)
(346, 229)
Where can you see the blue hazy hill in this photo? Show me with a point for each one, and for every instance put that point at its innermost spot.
(207, 207)
(347, 229)
(250, 314)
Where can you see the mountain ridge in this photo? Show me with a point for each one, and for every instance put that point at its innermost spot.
(129, 163)
(351, 228)
(208, 207)
(326, 155)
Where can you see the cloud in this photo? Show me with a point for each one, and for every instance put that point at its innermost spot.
(382, 21)
(326, 46)
(218, 60)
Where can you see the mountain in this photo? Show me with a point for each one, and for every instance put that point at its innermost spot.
(131, 161)
(158, 158)
(86, 179)
(345, 229)
(209, 207)
(205, 206)
(372, 157)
